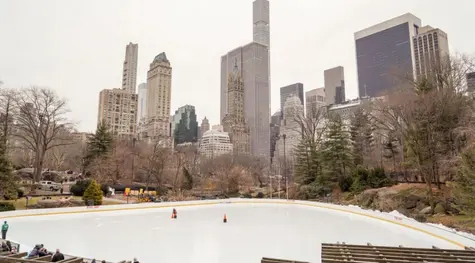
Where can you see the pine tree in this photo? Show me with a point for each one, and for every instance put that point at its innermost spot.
(336, 152)
(307, 162)
(93, 193)
(8, 188)
(464, 186)
(361, 136)
(98, 145)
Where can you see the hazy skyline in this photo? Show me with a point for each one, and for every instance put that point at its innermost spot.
(77, 48)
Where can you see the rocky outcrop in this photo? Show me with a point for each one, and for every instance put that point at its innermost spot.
(408, 199)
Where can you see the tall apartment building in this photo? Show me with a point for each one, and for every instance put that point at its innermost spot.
(431, 47)
(385, 54)
(254, 65)
(142, 103)
(118, 111)
(234, 123)
(285, 92)
(159, 84)
(314, 99)
(129, 73)
(204, 127)
(334, 85)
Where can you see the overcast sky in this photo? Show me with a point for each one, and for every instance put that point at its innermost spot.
(77, 47)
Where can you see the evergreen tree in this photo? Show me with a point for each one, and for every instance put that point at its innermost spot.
(307, 162)
(336, 152)
(98, 145)
(93, 193)
(464, 186)
(361, 136)
(390, 147)
(8, 188)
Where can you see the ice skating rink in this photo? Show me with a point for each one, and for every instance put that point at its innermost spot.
(253, 231)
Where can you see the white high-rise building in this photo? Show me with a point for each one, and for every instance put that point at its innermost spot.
(290, 126)
(334, 85)
(431, 48)
(129, 72)
(314, 99)
(142, 103)
(215, 143)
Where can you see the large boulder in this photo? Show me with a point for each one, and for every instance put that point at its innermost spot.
(426, 210)
(440, 209)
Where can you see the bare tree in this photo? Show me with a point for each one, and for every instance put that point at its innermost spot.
(115, 166)
(7, 113)
(41, 121)
(430, 116)
(153, 160)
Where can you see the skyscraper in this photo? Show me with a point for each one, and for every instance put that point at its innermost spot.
(129, 73)
(184, 125)
(159, 84)
(118, 111)
(431, 47)
(285, 92)
(204, 127)
(314, 99)
(234, 122)
(253, 63)
(384, 54)
(334, 85)
(261, 21)
(142, 103)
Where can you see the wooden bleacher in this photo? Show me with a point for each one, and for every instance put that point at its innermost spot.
(8, 257)
(274, 260)
(343, 253)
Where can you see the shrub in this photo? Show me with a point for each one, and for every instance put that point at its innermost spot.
(80, 187)
(21, 193)
(105, 189)
(93, 193)
(260, 195)
(373, 178)
(421, 218)
(246, 195)
(345, 182)
(4, 206)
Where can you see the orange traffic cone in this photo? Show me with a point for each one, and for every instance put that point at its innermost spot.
(225, 220)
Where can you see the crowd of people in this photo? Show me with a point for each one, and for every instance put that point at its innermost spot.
(40, 250)
(7, 247)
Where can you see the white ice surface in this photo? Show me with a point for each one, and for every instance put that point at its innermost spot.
(253, 231)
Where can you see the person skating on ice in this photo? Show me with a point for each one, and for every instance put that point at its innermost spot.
(4, 230)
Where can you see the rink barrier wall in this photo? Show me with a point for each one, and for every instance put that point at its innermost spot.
(450, 237)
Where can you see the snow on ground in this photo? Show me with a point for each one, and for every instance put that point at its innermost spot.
(253, 231)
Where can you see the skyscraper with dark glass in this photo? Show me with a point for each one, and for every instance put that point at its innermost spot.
(385, 54)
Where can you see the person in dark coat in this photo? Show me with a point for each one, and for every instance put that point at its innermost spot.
(58, 256)
(9, 245)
